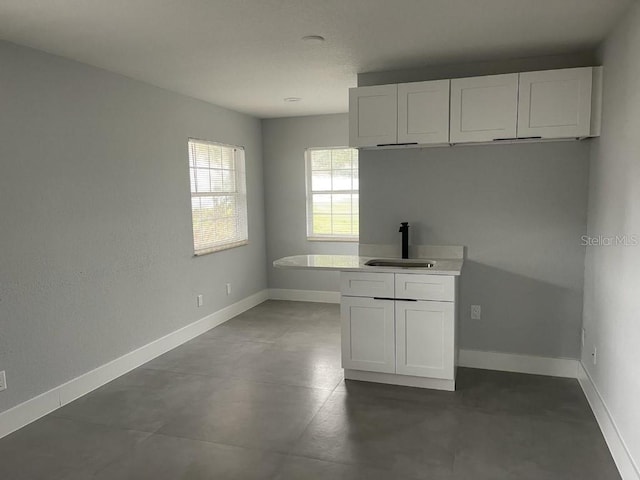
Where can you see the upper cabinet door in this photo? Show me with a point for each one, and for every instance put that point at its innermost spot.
(555, 103)
(373, 116)
(423, 112)
(484, 108)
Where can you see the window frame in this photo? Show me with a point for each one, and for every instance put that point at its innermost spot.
(239, 168)
(311, 236)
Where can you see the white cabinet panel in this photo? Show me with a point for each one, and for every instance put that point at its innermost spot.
(368, 334)
(555, 103)
(373, 115)
(425, 287)
(423, 112)
(425, 338)
(484, 108)
(367, 284)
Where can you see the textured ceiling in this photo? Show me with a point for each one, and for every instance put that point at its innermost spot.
(247, 55)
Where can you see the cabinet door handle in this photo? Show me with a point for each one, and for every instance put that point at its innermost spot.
(396, 144)
(508, 139)
(396, 299)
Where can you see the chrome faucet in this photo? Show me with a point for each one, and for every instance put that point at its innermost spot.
(404, 229)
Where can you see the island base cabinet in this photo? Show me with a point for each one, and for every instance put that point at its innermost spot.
(425, 339)
(399, 328)
(368, 334)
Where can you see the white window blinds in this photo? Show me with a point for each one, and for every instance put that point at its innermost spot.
(218, 196)
(332, 194)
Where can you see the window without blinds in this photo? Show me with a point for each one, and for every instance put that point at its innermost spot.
(332, 194)
(218, 196)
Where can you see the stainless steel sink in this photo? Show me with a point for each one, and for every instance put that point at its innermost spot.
(401, 263)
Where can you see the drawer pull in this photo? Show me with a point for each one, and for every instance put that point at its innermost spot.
(396, 299)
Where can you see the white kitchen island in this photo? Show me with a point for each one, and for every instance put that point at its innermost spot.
(399, 324)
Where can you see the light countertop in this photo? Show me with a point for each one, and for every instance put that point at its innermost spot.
(356, 263)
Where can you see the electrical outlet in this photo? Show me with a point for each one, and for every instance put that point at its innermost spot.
(584, 335)
(476, 312)
(595, 356)
(200, 300)
(228, 288)
(3, 381)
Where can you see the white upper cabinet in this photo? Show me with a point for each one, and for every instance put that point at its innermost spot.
(423, 112)
(409, 113)
(373, 116)
(564, 103)
(555, 103)
(484, 108)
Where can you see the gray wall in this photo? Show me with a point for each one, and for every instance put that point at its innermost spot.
(284, 143)
(95, 240)
(519, 209)
(612, 274)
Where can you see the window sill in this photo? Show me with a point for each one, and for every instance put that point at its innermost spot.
(221, 248)
(334, 239)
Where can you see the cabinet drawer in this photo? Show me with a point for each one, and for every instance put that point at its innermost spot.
(356, 284)
(425, 287)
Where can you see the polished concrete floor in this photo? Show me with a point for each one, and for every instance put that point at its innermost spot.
(262, 397)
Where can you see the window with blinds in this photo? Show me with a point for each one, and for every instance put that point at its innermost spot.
(332, 194)
(218, 196)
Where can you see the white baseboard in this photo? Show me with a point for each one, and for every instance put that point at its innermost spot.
(627, 467)
(35, 408)
(319, 296)
(511, 362)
